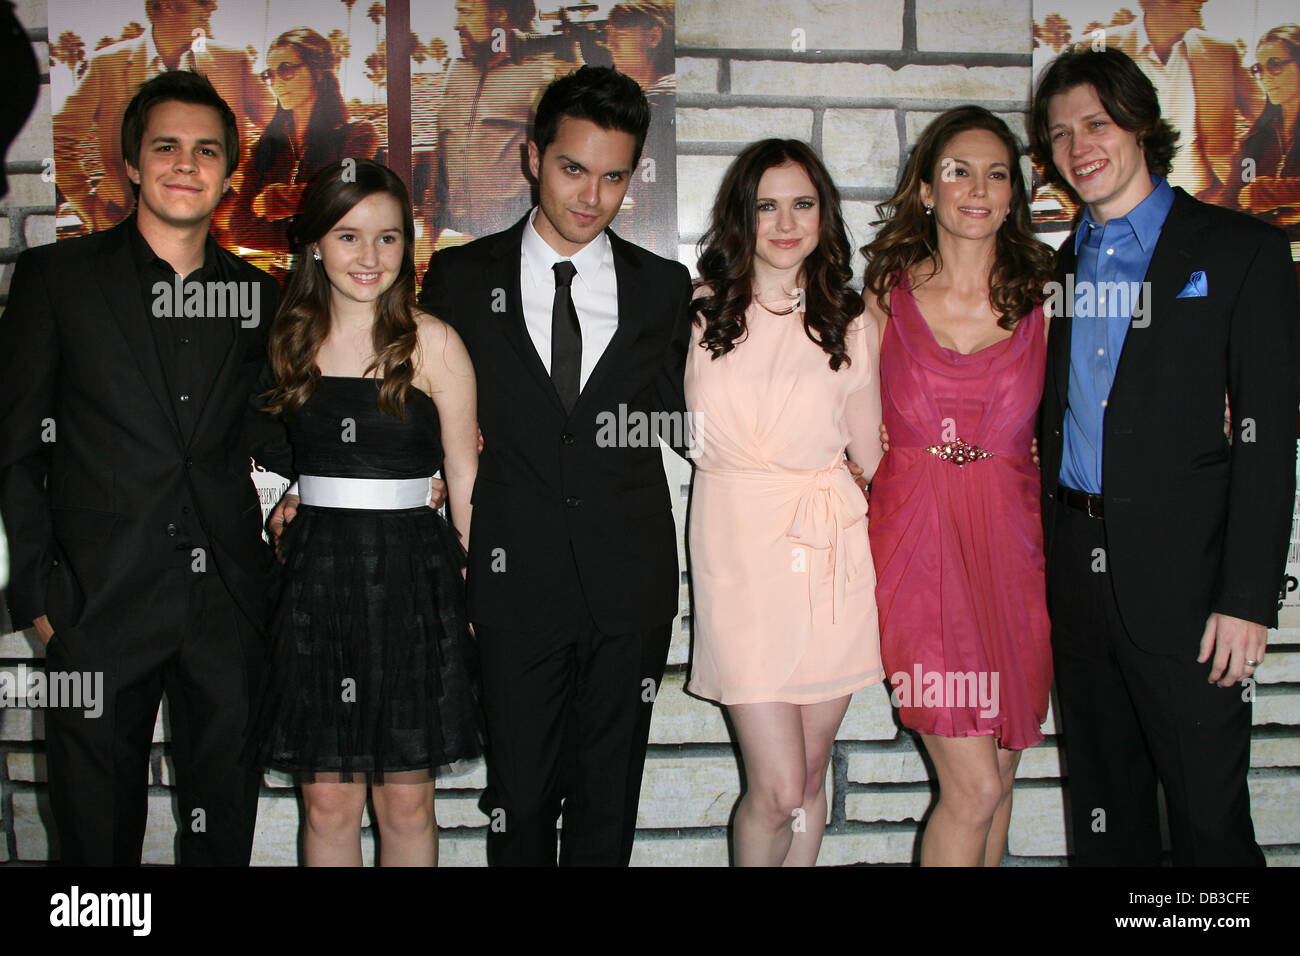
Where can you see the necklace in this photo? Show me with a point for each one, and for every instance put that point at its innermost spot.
(794, 305)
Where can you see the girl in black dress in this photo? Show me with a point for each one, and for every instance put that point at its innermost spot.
(373, 678)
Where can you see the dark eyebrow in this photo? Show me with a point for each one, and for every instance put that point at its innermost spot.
(991, 165)
(796, 198)
(176, 139)
(570, 161)
(344, 228)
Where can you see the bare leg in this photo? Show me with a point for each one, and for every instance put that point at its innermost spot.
(332, 828)
(1008, 760)
(408, 831)
(772, 749)
(820, 724)
(970, 788)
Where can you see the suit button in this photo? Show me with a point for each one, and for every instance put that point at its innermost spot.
(567, 438)
(171, 529)
(189, 462)
(185, 509)
(572, 501)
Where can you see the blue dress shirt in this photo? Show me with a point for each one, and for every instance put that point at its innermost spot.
(1111, 265)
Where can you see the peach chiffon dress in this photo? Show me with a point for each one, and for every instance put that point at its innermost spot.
(783, 584)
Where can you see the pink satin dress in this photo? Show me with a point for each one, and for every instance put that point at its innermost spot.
(956, 533)
(783, 587)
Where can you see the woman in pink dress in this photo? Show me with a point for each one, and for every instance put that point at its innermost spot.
(955, 280)
(780, 379)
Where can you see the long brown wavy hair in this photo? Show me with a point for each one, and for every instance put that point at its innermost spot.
(1022, 265)
(726, 261)
(303, 319)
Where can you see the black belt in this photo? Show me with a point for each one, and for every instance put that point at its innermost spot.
(1091, 505)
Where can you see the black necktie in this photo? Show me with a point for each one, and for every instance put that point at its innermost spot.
(566, 337)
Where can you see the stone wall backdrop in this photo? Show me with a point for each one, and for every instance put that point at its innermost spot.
(858, 79)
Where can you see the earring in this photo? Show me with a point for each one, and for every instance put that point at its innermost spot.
(316, 254)
(929, 210)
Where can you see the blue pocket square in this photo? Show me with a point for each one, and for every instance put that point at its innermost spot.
(1195, 288)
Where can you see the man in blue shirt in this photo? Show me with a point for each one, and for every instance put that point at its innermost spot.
(1165, 533)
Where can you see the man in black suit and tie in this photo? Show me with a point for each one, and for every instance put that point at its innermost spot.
(1165, 531)
(129, 360)
(573, 576)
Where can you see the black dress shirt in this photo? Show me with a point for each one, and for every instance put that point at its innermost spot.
(191, 349)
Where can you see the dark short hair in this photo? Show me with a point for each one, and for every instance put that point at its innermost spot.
(1126, 94)
(601, 94)
(181, 86)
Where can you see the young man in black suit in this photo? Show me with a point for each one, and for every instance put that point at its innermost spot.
(1165, 530)
(573, 576)
(125, 434)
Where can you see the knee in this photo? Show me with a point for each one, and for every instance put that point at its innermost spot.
(975, 800)
(333, 811)
(404, 809)
(814, 787)
(778, 800)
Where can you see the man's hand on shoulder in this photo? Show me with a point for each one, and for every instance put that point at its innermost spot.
(1238, 647)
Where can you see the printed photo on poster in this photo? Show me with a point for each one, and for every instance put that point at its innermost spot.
(304, 79)
(1228, 77)
(473, 99)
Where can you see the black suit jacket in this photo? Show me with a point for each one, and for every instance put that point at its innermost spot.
(87, 512)
(1194, 524)
(548, 498)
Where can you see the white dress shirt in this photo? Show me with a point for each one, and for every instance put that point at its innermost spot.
(594, 291)
(155, 63)
(1173, 83)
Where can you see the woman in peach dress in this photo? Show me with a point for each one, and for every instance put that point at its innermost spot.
(780, 379)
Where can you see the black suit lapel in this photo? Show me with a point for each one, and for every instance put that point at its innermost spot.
(503, 278)
(115, 271)
(632, 298)
(1062, 325)
(1171, 265)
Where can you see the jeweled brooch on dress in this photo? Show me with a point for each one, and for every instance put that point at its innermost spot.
(959, 452)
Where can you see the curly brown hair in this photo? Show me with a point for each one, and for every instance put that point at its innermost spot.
(726, 261)
(1022, 265)
(303, 319)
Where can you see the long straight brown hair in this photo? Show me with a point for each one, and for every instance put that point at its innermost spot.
(303, 319)
(1022, 265)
